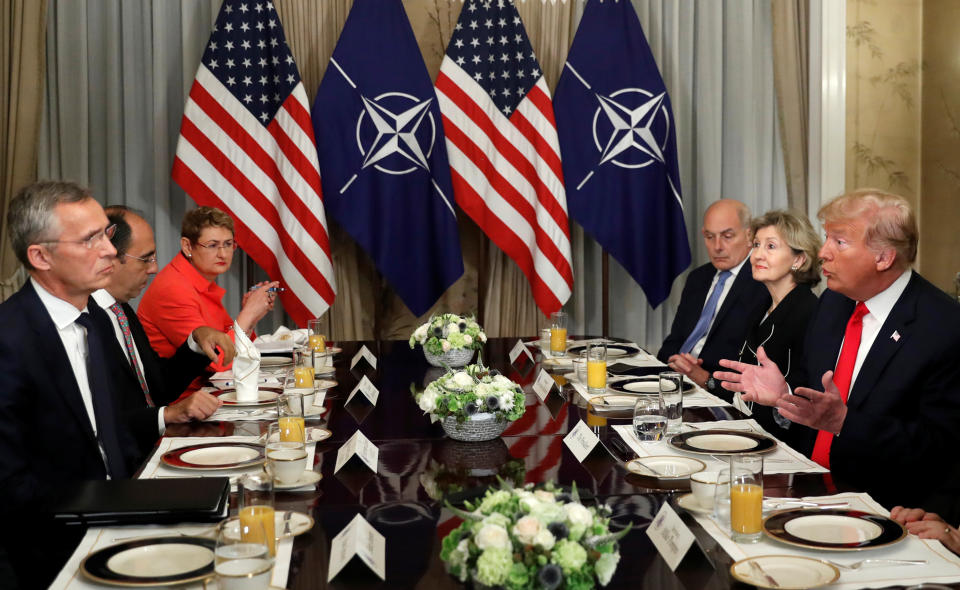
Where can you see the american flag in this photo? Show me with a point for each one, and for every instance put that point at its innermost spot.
(246, 146)
(502, 146)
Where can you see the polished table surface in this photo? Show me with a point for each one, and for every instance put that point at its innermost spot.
(417, 462)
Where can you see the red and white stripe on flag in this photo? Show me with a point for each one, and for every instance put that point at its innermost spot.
(507, 177)
(268, 179)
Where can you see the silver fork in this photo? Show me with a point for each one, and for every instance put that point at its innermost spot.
(859, 564)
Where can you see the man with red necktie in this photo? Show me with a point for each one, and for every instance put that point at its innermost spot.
(882, 346)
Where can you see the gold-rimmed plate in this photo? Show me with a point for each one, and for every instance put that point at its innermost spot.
(265, 396)
(214, 456)
(300, 523)
(645, 384)
(162, 561)
(833, 529)
(788, 572)
(720, 441)
(665, 466)
(615, 350)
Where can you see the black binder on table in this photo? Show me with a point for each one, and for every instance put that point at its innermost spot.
(143, 501)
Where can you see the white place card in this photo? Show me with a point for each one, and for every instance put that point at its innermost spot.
(519, 349)
(360, 446)
(364, 353)
(581, 441)
(543, 385)
(670, 536)
(741, 405)
(361, 539)
(319, 397)
(367, 388)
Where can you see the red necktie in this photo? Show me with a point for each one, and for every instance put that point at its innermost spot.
(842, 377)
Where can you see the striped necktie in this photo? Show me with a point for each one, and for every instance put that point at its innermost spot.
(131, 350)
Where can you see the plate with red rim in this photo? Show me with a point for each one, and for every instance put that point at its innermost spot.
(214, 456)
(265, 396)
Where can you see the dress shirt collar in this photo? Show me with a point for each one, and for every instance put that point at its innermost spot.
(202, 285)
(736, 269)
(61, 312)
(880, 304)
(103, 298)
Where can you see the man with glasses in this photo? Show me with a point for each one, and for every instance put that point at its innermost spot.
(59, 417)
(151, 381)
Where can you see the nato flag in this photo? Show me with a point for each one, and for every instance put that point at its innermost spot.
(619, 149)
(383, 157)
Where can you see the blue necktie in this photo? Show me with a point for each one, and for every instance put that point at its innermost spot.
(103, 410)
(709, 308)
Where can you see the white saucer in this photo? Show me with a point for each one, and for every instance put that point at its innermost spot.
(671, 466)
(787, 572)
(313, 434)
(311, 411)
(689, 503)
(307, 478)
(299, 524)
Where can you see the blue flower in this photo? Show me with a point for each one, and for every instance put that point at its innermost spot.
(493, 403)
(550, 576)
(471, 408)
(559, 529)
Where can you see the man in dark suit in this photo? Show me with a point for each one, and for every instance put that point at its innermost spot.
(718, 299)
(152, 384)
(59, 417)
(884, 403)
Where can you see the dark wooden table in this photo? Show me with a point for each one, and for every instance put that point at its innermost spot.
(418, 462)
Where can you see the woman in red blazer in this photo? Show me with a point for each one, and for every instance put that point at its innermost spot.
(185, 295)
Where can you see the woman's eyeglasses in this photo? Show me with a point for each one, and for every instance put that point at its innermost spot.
(227, 245)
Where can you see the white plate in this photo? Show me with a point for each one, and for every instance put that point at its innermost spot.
(307, 478)
(263, 397)
(313, 434)
(324, 384)
(721, 442)
(829, 528)
(275, 362)
(788, 572)
(299, 524)
(643, 386)
(672, 467)
(689, 503)
(558, 362)
(154, 561)
(219, 455)
(311, 411)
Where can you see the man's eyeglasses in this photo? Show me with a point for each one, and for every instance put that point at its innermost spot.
(151, 260)
(215, 246)
(90, 242)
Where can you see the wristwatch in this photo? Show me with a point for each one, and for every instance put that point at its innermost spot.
(711, 384)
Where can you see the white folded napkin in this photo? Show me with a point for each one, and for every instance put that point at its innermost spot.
(283, 333)
(246, 366)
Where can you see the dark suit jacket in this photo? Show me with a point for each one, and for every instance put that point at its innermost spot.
(732, 320)
(782, 335)
(45, 434)
(166, 378)
(901, 434)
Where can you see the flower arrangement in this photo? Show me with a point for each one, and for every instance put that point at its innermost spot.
(448, 332)
(521, 538)
(471, 391)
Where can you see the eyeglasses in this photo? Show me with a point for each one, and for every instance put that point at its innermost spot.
(90, 242)
(215, 246)
(151, 260)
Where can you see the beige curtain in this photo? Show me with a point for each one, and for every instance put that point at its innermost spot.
(791, 67)
(22, 61)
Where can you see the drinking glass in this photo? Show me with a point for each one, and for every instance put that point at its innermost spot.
(316, 340)
(721, 498)
(242, 558)
(255, 495)
(649, 417)
(671, 388)
(303, 370)
(580, 368)
(545, 339)
(286, 458)
(596, 368)
(746, 497)
(558, 333)
(290, 416)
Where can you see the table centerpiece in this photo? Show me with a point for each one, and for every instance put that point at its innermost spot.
(473, 404)
(448, 340)
(526, 538)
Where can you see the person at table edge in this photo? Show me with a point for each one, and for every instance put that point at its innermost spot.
(718, 299)
(887, 337)
(152, 382)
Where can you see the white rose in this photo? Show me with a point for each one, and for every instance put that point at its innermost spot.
(421, 333)
(452, 328)
(526, 529)
(492, 535)
(463, 380)
(545, 496)
(482, 337)
(445, 345)
(484, 389)
(544, 539)
(502, 381)
(428, 401)
(577, 514)
(467, 339)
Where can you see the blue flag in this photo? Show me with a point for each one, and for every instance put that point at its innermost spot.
(618, 140)
(383, 156)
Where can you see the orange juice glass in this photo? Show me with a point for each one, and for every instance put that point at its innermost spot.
(597, 368)
(558, 333)
(746, 498)
(291, 428)
(256, 513)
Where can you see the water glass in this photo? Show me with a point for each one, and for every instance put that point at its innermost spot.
(746, 497)
(721, 498)
(558, 333)
(303, 370)
(671, 388)
(580, 368)
(242, 558)
(256, 514)
(649, 417)
(596, 368)
(545, 339)
(286, 458)
(290, 415)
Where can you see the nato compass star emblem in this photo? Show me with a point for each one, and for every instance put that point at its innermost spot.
(395, 133)
(630, 127)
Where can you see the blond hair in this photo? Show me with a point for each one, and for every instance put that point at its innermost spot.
(797, 231)
(891, 223)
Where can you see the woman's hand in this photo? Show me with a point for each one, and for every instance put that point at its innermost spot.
(255, 304)
(927, 525)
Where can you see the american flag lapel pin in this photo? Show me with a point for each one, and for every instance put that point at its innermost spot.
(895, 336)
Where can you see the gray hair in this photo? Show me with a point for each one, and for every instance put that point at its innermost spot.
(31, 219)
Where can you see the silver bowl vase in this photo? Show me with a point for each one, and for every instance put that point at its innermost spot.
(479, 427)
(454, 358)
